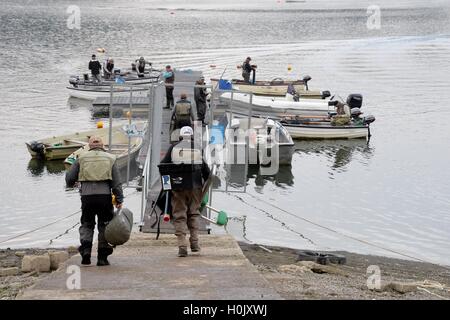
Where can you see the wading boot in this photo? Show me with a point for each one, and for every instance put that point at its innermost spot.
(195, 247)
(85, 252)
(102, 257)
(182, 252)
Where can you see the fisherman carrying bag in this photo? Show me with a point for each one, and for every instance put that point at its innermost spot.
(118, 230)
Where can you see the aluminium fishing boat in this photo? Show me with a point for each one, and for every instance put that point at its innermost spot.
(85, 88)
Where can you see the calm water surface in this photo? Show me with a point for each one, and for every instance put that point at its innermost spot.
(393, 192)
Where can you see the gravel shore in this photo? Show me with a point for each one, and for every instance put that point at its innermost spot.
(295, 280)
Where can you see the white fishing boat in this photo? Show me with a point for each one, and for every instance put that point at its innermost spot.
(274, 107)
(275, 87)
(267, 140)
(85, 88)
(324, 128)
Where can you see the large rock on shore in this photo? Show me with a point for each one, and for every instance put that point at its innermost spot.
(36, 263)
(4, 272)
(56, 258)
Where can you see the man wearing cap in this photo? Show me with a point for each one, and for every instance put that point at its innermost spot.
(108, 69)
(95, 68)
(200, 95)
(169, 78)
(247, 68)
(182, 114)
(187, 189)
(99, 176)
(140, 66)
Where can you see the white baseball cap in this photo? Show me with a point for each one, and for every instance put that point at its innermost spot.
(186, 131)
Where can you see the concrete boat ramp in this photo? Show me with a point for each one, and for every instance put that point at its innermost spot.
(149, 269)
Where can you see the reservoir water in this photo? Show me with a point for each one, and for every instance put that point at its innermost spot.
(392, 192)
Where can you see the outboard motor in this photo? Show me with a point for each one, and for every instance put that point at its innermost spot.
(305, 80)
(73, 80)
(369, 119)
(355, 100)
(333, 103)
(326, 94)
(38, 147)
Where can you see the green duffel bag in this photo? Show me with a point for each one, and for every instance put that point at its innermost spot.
(118, 230)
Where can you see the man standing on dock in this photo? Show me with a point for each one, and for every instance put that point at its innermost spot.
(182, 114)
(200, 100)
(169, 78)
(187, 195)
(99, 176)
(95, 67)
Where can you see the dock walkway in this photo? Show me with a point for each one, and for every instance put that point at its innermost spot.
(148, 269)
(184, 83)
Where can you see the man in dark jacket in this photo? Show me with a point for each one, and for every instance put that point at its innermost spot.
(187, 196)
(247, 68)
(200, 100)
(99, 175)
(169, 78)
(95, 68)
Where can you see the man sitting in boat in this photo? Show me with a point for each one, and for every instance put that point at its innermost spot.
(247, 68)
(95, 68)
(108, 69)
(182, 114)
(140, 66)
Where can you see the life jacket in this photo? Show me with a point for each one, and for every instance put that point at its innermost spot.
(96, 165)
(183, 110)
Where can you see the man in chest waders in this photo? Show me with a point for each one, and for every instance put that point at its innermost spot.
(182, 114)
(99, 175)
(189, 173)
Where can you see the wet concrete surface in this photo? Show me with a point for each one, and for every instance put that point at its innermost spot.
(146, 268)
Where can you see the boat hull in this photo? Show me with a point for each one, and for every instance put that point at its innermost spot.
(92, 94)
(275, 109)
(327, 132)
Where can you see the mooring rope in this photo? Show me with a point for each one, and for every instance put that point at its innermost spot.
(343, 234)
(283, 224)
(64, 233)
(40, 228)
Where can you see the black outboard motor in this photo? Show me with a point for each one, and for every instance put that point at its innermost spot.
(326, 94)
(305, 80)
(355, 100)
(38, 147)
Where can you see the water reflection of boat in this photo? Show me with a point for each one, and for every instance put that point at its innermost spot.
(236, 175)
(341, 151)
(37, 167)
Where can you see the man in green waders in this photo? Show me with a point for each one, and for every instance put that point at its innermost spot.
(99, 175)
(189, 174)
